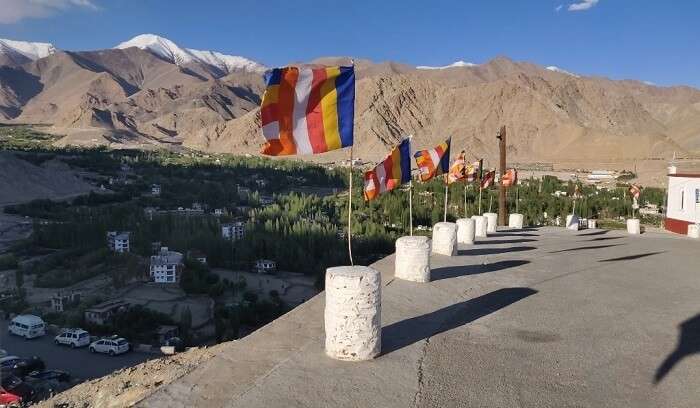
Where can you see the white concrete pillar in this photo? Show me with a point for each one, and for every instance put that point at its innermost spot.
(515, 221)
(593, 224)
(466, 230)
(694, 230)
(412, 261)
(572, 222)
(353, 313)
(633, 226)
(479, 226)
(492, 222)
(445, 238)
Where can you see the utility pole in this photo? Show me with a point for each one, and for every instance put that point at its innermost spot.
(501, 136)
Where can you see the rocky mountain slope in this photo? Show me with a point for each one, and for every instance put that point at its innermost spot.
(149, 90)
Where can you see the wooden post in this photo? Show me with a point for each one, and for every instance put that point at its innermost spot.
(350, 212)
(502, 211)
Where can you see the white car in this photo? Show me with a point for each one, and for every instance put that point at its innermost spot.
(27, 326)
(112, 345)
(73, 338)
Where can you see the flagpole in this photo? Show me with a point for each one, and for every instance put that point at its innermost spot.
(465, 199)
(490, 201)
(410, 204)
(517, 198)
(410, 191)
(446, 191)
(350, 212)
(480, 188)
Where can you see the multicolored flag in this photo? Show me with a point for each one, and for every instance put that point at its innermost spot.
(487, 180)
(635, 191)
(393, 171)
(433, 162)
(457, 170)
(473, 171)
(308, 110)
(510, 178)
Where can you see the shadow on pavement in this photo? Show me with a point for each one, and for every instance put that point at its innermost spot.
(631, 257)
(603, 238)
(585, 248)
(515, 234)
(688, 343)
(406, 332)
(594, 233)
(456, 271)
(493, 251)
(505, 241)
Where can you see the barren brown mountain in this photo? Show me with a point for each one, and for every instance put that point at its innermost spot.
(127, 97)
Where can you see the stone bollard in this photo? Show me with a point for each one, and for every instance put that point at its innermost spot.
(572, 222)
(466, 231)
(592, 224)
(694, 230)
(353, 313)
(633, 226)
(492, 222)
(445, 238)
(412, 261)
(479, 226)
(515, 221)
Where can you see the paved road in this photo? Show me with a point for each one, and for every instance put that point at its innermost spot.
(79, 362)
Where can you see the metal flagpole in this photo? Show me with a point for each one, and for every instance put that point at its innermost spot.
(350, 212)
(446, 191)
(480, 188)
(465, 199)
(410, 204)
(410, 190)
(490, 201)
(517, 198)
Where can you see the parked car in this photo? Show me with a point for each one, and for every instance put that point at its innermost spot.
(27, 326)
(111, 345)
(50, 375)
(21, 366)
(175, 342)
(73, 338)
(14, 392)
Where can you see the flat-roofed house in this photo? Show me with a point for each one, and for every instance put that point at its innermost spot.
(166, 266)
(683, 201)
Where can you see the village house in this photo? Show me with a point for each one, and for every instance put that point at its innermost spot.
(118, 241)
(61, 301)
(265, 266)
(197, 255)
(101, 313)
(155, 189)
(683, 200)
(233, 231)
(166, 266)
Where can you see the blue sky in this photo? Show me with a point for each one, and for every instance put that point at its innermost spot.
(649, 40)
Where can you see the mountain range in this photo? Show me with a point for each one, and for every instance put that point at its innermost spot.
(149, 91)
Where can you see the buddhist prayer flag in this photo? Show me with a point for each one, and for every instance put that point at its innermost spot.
(457, 170)
(635, 191)
(473, 171)
(393, 171)
(487, 180)
(308, 110)
(510, 178)
(433, 162)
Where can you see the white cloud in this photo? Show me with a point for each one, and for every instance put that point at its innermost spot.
(558, 8)
(12, 11)
(582, 5)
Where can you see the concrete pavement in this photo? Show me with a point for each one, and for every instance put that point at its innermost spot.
(535, 318)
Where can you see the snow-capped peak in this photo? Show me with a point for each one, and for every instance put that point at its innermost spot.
(561, 71)
(170, 51)
(31, 50)
(458, 64)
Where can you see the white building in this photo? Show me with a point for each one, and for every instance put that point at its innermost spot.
(233, 230)
(155, 189)
(118, 241)
(166, 266)
(683, 202)
(265, 266)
